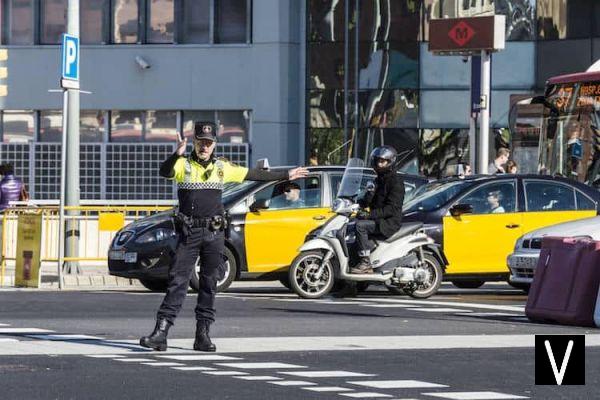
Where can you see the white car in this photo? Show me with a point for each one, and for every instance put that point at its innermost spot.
(523, 260)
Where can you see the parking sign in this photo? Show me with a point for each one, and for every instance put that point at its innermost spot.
(70, 62)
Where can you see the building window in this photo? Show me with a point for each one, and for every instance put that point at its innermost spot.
(53, 21)
(51, 126)
(125, 21)
(17, 22)
(195, 26)
(93, 29)
(160, 21)
(161, 126)
(564, 20)
(233, 126)
(126, 126)
(231, 20)
(91, 126)
(18, 126)
(189, 117)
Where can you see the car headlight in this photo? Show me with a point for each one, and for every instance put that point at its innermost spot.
(156, 235)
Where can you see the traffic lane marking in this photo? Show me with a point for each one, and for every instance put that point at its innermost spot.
(225, 373)
(326, 374)
(194, 368)
(475, 396)
(438, 310)
(366, 395)
(328, 389)
(261, 365)
(291, 383)
(398, 384)
(163, 364)
(192, 357)
(259, 378)
(25, 330)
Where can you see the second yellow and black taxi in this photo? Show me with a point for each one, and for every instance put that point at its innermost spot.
(268, 222)
(477, 220)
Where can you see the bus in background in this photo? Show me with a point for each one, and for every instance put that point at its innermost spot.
(566, 121)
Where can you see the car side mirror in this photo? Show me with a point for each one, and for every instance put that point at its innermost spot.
(459, 209)
(261, 204)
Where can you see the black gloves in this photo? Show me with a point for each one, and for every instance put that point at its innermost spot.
(362, 214)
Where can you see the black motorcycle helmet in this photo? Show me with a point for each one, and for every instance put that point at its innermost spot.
(386, 153)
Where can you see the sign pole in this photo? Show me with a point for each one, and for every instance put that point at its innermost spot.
(61, 210)
(484, 129)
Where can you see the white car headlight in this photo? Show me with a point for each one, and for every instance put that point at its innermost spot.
(156, 235)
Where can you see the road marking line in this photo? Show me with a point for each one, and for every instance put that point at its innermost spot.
(261, 365)
(475, 396)
(443, 303)
(401, 384)
(105, 355)
(65, 337)
(387, 305)
(24, 330)
(326, 374)
(439, 310)
(200, 358)
(4, 324)
(134, 359)
(260, 378)
(337, 302)
(328, 389)
(194, 368)
(365, 395)
(292, 383)
(8, 340)
(163, 364)
(225, 373)
(487, 314)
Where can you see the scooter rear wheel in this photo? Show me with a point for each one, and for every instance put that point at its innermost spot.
(309, 277)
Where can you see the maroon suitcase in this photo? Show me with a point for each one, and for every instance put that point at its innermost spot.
(566, 280)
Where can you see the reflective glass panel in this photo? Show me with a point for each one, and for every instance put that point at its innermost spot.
(17, 21)
(385, 65)
(196, 21)
(126, 126)
(326, 146)
(190, 117)
(53, 18)
(233, 126)
(92, 21)
(51, 126)
(231, 20)
(396, 20)
(326, 65)
(125, 21)
(596, 19)
(17, 126)
(160, 21)
(161, 126)
(326, 20)
(564, 20)
(549, 196)
(520, 18)
(386, 108)
(91, 125)
(326, 108)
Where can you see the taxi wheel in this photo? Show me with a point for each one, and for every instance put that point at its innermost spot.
(308, 278)
(154, 285)
(228, 277)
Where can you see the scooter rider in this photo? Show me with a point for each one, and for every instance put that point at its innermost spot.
(384, 202)
(200, 178)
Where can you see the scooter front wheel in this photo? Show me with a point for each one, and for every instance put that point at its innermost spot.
(309, 277)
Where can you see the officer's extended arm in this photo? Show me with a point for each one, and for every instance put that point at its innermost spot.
(167, 167)
(256, 174)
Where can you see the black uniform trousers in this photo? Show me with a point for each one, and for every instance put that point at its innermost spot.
(209, 245)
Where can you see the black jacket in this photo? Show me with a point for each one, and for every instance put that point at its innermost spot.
(385, 202)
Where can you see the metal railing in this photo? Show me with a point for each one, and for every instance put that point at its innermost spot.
(95, 234)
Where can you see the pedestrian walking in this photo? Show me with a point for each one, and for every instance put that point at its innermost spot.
(201, 223)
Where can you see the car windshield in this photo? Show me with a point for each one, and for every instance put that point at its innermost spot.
(232, 189)
(433, 195)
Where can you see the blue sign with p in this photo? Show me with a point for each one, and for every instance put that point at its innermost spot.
(70, 57)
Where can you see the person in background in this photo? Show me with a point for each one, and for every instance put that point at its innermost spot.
(497, 167)
(11, 187)
(313, 160)
(511, 167)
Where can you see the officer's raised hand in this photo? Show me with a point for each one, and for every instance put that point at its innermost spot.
(296, 173)
(181, 145)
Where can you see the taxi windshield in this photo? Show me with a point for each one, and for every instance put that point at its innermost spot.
(434, 195)
(230, 189)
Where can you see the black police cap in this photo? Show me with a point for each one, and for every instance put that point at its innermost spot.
(205, 130)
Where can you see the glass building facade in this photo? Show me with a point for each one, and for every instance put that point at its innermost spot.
(371, 58)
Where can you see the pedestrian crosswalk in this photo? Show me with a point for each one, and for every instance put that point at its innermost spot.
(344, 383)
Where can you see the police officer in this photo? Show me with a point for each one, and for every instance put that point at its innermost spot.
(200, 222)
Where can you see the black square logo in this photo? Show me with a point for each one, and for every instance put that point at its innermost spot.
(560, 360)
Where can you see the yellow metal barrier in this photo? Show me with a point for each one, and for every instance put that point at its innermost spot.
(96, 225)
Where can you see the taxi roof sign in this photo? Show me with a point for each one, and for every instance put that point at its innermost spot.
(467, 36)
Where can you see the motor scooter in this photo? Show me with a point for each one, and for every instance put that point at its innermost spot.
(409, 260)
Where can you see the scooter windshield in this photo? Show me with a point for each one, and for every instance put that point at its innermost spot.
(352, 179)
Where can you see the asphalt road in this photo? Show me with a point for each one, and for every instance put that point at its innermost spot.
(460, 344)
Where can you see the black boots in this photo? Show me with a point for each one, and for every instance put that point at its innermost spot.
(158, 338)
(202, 342)
(363, 267)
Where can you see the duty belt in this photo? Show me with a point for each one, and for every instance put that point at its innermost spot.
(215, 223)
